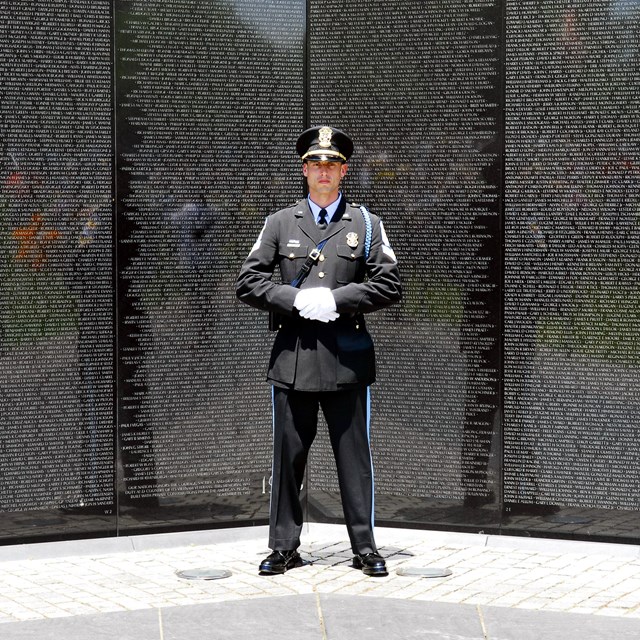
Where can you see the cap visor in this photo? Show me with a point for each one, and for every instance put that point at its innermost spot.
(323, 157)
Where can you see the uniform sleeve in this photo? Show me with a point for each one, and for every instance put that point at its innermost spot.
(382, 287)
(254, 285)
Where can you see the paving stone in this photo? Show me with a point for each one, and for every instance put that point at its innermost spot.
(527, 579)
(504, 623)
(128, 625)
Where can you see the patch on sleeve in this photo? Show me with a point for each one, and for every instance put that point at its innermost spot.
(386, 247)
(259, 240)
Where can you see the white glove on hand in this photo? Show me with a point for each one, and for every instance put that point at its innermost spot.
(304, 298)
(329, 316)
(316, 303)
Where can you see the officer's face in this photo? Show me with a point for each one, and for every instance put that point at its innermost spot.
(324, 177)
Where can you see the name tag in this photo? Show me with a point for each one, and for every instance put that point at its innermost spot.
(293, 243)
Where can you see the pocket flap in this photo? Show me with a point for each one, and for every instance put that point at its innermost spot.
(345, 251)
(292, 253)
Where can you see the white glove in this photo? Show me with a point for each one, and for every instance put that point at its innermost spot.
(328, 316)
(316, 303)
(304, 298)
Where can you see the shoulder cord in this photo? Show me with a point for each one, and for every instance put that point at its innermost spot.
(367, 223)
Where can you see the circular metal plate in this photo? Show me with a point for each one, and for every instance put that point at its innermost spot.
(204, 574)
(424, 572)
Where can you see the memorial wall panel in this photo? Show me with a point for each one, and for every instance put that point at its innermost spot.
(572, 240)
(142, 144)
(417, 86)
(209, 103)
(56, 269)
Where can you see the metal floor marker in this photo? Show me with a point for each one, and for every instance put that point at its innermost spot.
(424, 572)
(204, 574)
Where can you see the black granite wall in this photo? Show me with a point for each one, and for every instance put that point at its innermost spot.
(144, 141)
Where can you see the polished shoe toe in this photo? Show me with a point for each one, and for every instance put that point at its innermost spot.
(372, 564)
(279, 562)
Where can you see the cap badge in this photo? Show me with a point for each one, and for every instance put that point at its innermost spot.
(324, 137)
(352, 239)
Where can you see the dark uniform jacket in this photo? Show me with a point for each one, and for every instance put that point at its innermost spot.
(309, 355)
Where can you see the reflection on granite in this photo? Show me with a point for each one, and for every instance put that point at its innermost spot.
(194, 511)
(570, 522)
(20, 527)
(176, 514)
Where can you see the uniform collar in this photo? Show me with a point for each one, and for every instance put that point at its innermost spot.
(331, 209)
(307, 224)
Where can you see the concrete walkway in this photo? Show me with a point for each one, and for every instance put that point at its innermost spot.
(500, 588)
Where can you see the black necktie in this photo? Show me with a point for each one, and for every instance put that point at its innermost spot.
(322, 218)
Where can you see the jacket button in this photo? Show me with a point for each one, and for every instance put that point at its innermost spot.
(292, 256)
(321, 258)
(321, 274)
(353, 256)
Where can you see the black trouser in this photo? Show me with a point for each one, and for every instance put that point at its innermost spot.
(295, 416)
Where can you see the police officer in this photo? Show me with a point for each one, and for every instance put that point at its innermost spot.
(336, 264)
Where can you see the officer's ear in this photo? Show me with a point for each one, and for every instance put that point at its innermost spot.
(304, 169)
(343, 169)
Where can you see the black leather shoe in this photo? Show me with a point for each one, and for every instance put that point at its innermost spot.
(372, 564)
(279, 562)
